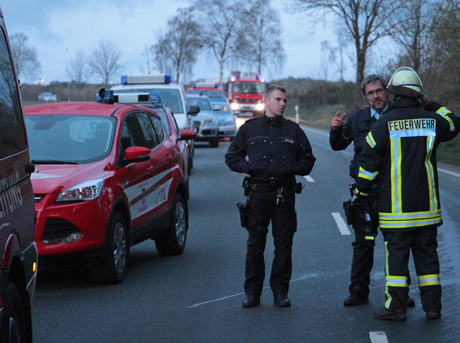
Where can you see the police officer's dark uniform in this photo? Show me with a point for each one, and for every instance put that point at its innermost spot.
(355, 130)
(401, 149)
(277, 150)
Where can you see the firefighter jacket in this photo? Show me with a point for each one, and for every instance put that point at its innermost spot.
(276, 150)
(401, 149)
(354, 130)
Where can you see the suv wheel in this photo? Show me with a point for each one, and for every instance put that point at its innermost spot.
(115, 262)
(13, 326)
(172, 242)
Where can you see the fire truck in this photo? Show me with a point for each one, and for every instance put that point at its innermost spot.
(246, 93)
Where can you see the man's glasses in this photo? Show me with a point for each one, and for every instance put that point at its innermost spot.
(377, 92)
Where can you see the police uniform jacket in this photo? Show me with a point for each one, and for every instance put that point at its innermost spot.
(354, 130)
(276, 150)
(401, 150)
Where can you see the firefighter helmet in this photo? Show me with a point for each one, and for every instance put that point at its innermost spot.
(406, 82)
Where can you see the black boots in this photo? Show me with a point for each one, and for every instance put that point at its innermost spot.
(250, 301)
(281, 300)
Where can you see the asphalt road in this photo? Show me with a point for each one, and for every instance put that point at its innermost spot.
(196, 297)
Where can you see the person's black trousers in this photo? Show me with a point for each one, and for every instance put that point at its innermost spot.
(284, 224)
(422, 242)
(361, 265)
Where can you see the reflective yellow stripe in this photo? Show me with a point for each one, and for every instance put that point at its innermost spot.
(387, 272)
(364, 174)
(370, 140)
(395, 170)
(358, 192)
(409, 219)
(430, 173)
(397, 281)
(369, 238)
(443, 113)
(429, 280)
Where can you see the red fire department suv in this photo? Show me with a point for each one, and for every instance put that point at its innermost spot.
(107, 176)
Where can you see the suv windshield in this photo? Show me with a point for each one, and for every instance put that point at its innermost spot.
(69, 138)
(203, 104)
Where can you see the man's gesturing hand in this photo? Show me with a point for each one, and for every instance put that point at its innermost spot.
(337, 121)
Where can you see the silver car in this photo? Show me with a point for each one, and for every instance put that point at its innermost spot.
(205, 122)
(225, 118)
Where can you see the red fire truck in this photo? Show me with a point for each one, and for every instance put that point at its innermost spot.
(246, 93)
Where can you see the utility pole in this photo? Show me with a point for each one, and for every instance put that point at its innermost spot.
(68, 81)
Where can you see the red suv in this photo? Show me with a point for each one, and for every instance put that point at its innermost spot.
(107, 176)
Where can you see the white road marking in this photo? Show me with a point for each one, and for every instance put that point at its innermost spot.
(448, 172)
(302, 278)
(343, 227)
(309, 178)
(378, 337)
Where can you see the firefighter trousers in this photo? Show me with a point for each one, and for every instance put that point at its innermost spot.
(284, 224)
(423, 244)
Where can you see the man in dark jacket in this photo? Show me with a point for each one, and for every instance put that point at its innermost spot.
(341, 136)
(401, 149)
(276, 150)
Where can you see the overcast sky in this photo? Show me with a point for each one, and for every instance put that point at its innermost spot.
(58, 29)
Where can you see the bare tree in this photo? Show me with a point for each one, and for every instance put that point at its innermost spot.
(223, 28)
(263, 28)
(105, 60)
(412, 23)
(148, 59)
(24, 56)
(366, 21)
(178, 48)
(78, 69)
(442, 72)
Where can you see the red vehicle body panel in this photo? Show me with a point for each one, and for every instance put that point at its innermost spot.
(145, 188)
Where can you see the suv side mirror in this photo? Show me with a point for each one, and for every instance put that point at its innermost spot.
(217, 108)
(137, 154)
(186, 134)
(193, 110)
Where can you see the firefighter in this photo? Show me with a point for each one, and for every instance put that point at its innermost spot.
(341, 136)
(276, 150)
(401, 150)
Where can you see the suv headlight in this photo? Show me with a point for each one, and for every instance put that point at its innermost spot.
(212, 122)
(260, 107)
(84, 191)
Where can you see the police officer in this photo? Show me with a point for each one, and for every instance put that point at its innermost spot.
(401, 149)
(341, 136)
(276, 150)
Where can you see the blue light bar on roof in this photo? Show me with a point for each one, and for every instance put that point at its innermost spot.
(154, 97)
(149, 79)
(108, 97)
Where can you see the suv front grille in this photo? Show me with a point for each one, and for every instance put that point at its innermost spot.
(58, 228)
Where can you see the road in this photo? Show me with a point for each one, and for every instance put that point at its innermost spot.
(196, 297)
